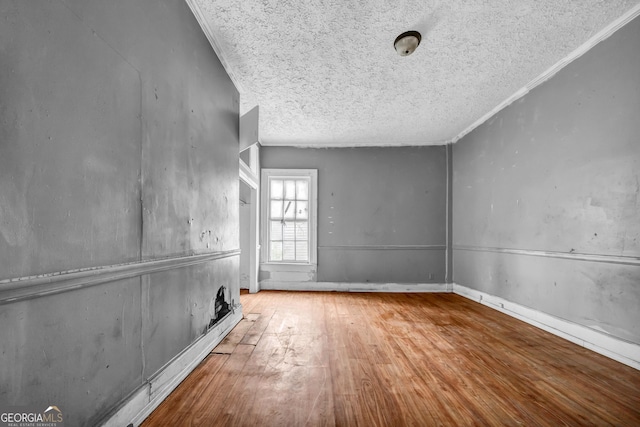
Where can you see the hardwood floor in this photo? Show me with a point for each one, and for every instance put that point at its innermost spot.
(347, 359)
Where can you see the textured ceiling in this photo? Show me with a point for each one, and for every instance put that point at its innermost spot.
(324, 72)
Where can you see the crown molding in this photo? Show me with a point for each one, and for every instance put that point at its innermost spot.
(213, 41)
(550, 72)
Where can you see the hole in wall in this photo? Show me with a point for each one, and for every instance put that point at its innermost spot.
(219, 307)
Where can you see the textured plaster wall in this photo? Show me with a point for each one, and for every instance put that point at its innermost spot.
(380, 211)
(558, 172)
(118, 143)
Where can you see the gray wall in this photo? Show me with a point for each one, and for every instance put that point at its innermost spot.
(550, 184)
(118, 143)
(381, 211)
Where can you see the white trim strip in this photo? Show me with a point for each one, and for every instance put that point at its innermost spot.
(617, 349)
(385, 247)
(247, 175)
(385, 144)
(610, 259)
(140, 404)
(12, 290)
(355, 287)
(581, 50)
(448, 275)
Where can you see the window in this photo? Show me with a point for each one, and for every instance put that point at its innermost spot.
(289, 219)
(289, 215)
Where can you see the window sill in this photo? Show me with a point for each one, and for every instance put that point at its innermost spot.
(287, 266)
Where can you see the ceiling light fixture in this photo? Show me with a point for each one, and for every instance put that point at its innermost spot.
(407, 42)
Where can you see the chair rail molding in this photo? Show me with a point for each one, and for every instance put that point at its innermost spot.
(23, 288)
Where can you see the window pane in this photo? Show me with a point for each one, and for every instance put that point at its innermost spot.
(302, 251)
(302, 210)
(276, 231)
(302, 230)
(289, 209)
(276, 189)
(302, 189)
(289, 231)
(290, 190)
(275, 253)
(288, 251)
(276, 209)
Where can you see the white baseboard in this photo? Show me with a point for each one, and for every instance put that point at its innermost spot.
(622, 351)
(139, 405)
(354, 287)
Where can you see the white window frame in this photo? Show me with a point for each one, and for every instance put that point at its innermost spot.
(267, 175)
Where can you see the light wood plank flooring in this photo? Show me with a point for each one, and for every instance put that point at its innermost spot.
(348, 359)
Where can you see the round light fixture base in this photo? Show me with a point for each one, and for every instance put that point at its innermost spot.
(407, 42)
